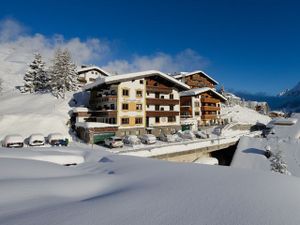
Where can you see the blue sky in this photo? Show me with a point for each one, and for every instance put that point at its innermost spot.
(248, 45)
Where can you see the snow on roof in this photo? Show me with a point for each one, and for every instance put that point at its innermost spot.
(86, 69)
(137, 75)
(94, 125)
(197, 91)
(195, 72)
(284, 121)
(80, 109)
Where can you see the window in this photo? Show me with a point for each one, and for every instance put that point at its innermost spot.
(156, 107)
(141, 82)
(139, 107)
(162, 109)
(148, 93)
(125, 92)
(125, 106)
(125, 121)
(155, 84)
(139, 93)
(156, 95)
(156, 119)
(162, 97)
(171, 96)
(197, 113)
(112, 106)
(196, 104)
(112, 120)
(138, 120)
(171, 107)
(171, 119)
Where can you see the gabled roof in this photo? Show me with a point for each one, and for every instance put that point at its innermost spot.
(138, 75)
(89, 68)
(197, 91)
(195, 72)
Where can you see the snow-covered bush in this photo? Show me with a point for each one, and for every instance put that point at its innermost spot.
(36, 78)
(63, 74)
(278, 165)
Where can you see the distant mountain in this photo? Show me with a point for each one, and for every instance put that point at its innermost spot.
(283, 92)
(294, 92)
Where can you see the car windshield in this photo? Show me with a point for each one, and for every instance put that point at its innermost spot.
(117, 139)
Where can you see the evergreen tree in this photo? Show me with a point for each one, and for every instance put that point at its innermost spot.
(63, 74)
(36, 77)
(278, 164)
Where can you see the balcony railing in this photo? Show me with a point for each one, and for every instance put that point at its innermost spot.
(209, 116)
(161, 113)
(210, 108)
(161, 101)
(155, 89)
(209, 100)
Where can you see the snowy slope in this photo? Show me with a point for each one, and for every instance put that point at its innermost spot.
(244, 115)
(32, 113)
(111, 189)
(295, 91)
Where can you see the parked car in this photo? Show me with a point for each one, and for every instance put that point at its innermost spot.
(131, 140)
(169, 137)
(114, 142)
(36, 140)
(57, 139)
(200, 134)
(13, 141)
(148, 139)
(207, 160)
(187, 134)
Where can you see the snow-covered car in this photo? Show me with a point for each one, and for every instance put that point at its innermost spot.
(131, 140)
(114, 142)
(148, 139)
(207, 160)
(187, 134)
(57, 139)
(169, 138)
(36, 140)
(13, 141)
(200, 134)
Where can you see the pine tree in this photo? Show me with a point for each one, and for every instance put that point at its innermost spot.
(63, 74)
(278, 164)
(36, 77)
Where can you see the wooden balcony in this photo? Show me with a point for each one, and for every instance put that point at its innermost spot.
(161, 113)
(210, 108)
(160, 101)
(210, 100)
(156, 89)
(98, 113)
(209, 117)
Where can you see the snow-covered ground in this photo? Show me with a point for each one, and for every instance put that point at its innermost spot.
(26, 114)
(112, 189)
(243, 115)
(285, 138)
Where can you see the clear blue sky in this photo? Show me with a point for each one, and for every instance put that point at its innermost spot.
(252, 45)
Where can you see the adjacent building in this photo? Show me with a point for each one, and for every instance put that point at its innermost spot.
(200, 106)
(89, 74)
(197, 79)
(135, 103)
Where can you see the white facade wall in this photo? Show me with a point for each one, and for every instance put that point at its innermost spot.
(132, 86)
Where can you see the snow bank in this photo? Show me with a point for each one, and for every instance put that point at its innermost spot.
(243, 115)
(26, 114)
(117, 190)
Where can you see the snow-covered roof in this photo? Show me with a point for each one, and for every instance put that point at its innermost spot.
(197, 91)
(94, 125)
(137, 75)
(195, 72)
(86, 69)
(284, 121)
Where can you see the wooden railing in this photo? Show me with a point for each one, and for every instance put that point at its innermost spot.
(160, 101)
(157, 89)
(210, 108)
(209, 117)
(161, 113)
(210, 100)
